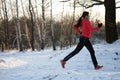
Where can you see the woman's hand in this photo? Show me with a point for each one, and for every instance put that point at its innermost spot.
(100, 25)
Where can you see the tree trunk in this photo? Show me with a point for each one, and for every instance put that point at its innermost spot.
(110, 21)
(18, 28)
(16, 38)
(32, 22)
(2, 45)
(71, 30)
(37, 26)
(43, 23)
(52, 29)
(6, 28)
(26, 27)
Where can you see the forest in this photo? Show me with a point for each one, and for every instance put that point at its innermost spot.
(30, 24)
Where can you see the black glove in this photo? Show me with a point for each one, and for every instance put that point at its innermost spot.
(80, 32)
(100, 25)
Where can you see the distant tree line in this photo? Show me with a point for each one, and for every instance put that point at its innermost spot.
(35, 30)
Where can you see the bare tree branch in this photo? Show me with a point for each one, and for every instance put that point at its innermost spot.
(64, 0)
(99, 1)
(117, 7)
(81, 5)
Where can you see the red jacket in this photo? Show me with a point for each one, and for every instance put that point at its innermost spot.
(86, 28)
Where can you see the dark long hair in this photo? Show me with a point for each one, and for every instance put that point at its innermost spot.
(85, 13)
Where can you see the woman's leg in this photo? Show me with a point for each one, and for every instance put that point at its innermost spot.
(78, 48)
(89, 46)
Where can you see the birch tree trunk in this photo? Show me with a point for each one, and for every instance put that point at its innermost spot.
(18, 27)
(43, 23)
(2, 41)
(71, 30)
(26, 27)
(52, 29)
(37, 26)
(16, 38)
(32, 22)
(6, 28)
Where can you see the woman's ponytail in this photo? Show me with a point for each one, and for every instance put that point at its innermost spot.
(85, 13)
(78, 23)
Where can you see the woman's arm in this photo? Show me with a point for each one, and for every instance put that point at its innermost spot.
(77, 30)
(91, 27)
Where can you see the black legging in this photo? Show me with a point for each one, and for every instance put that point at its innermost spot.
(83, 42)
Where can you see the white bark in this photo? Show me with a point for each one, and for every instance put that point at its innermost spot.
(18, 27)
(15, 26)
(52, 29)
(26, 27)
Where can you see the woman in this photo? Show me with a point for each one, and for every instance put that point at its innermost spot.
(84, 29)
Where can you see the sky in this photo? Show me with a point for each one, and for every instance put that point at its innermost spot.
(96, 12)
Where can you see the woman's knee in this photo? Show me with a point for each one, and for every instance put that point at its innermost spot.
(92, 52)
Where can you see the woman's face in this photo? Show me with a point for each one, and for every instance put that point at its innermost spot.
(87, 17)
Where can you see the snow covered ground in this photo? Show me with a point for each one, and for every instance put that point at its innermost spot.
(45, 65)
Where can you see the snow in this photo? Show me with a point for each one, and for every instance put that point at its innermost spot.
(45, 64)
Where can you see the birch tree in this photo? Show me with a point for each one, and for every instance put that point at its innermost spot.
(38, 27)
(71, 30)
(73, 18)
(43, 23)
(6, 28)
(18, 27)
(13, 13)
(26, 27)
(32, 23)
(1, 32)
(51, 25)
